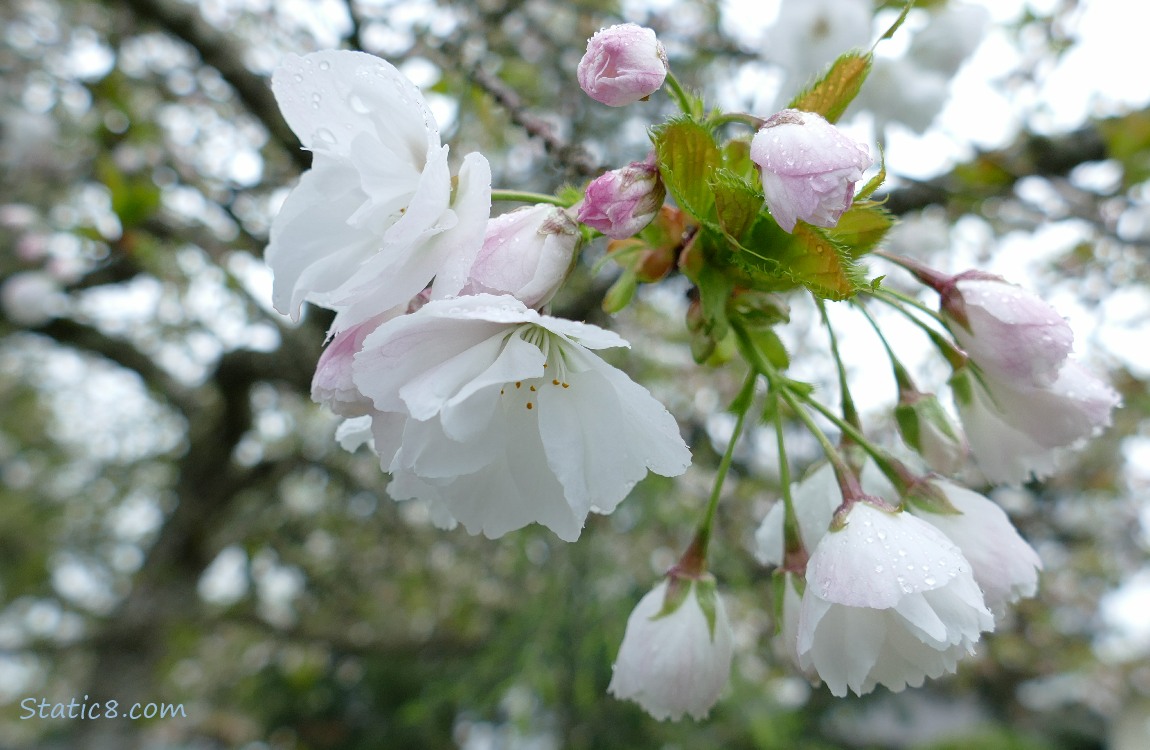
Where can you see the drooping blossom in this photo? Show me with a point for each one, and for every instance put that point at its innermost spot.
(619, 203)
(526, 253)
(808, 167)
(623, 64)
(1014, 429)
(675, 658)
(814, 498)
(1009, 332)
(502, 417)
(377, 217)
(1004, 565)
(889, 600)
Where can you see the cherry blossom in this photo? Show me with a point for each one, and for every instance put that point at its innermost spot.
(623, 64)
(376, 218)
(504, 417)
(890, 600)
(676, 653)
(808, 168)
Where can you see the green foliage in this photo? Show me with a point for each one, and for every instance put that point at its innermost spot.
(688, 155)
(135, 197)
(861, 228)
(1128, 140)
(831, 94)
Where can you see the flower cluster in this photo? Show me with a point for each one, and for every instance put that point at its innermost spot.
(479, 403)
(890, 597)
(493, 413)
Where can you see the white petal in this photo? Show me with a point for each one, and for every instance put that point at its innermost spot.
(351, 92)
(469, 411)
(1004, 565)
(311, 247)
(880, 557)
(352, 433)
(603, 433)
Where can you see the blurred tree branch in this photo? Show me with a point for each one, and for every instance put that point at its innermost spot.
(993, 173)
(226, 56)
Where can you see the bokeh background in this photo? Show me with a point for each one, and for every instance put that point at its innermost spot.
(178, 525)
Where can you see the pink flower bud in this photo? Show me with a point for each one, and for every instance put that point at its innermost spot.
(621, 202)
(1009, 332)
(809, 168)
(623, 64)
(526, 253)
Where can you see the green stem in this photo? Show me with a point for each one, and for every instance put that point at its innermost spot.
(523, 197)
(901, 375)
(754, 123)
(893, 297)
(703, 535)
(849, 412)
(794, 552)
(955, 356)
(781, 386)
(679, 94)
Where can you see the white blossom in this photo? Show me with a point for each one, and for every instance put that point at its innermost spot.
(526, 253)
(376, 218)
(675, 662)
(623, 64)
(503, 417)
(1014, 430)
(1009, 332)
(1004, 565)
(889, 601)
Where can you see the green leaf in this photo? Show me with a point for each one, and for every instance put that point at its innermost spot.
(808, 257)
(897, 22)
(770, 346)
(714, 291)
(875, 182)
(830, 95)
(621, 292)
(861, 228)
(738, 203)
(737, 159)
(824, 267)
(688, 155)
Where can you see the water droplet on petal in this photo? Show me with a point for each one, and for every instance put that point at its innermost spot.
(324, 65)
